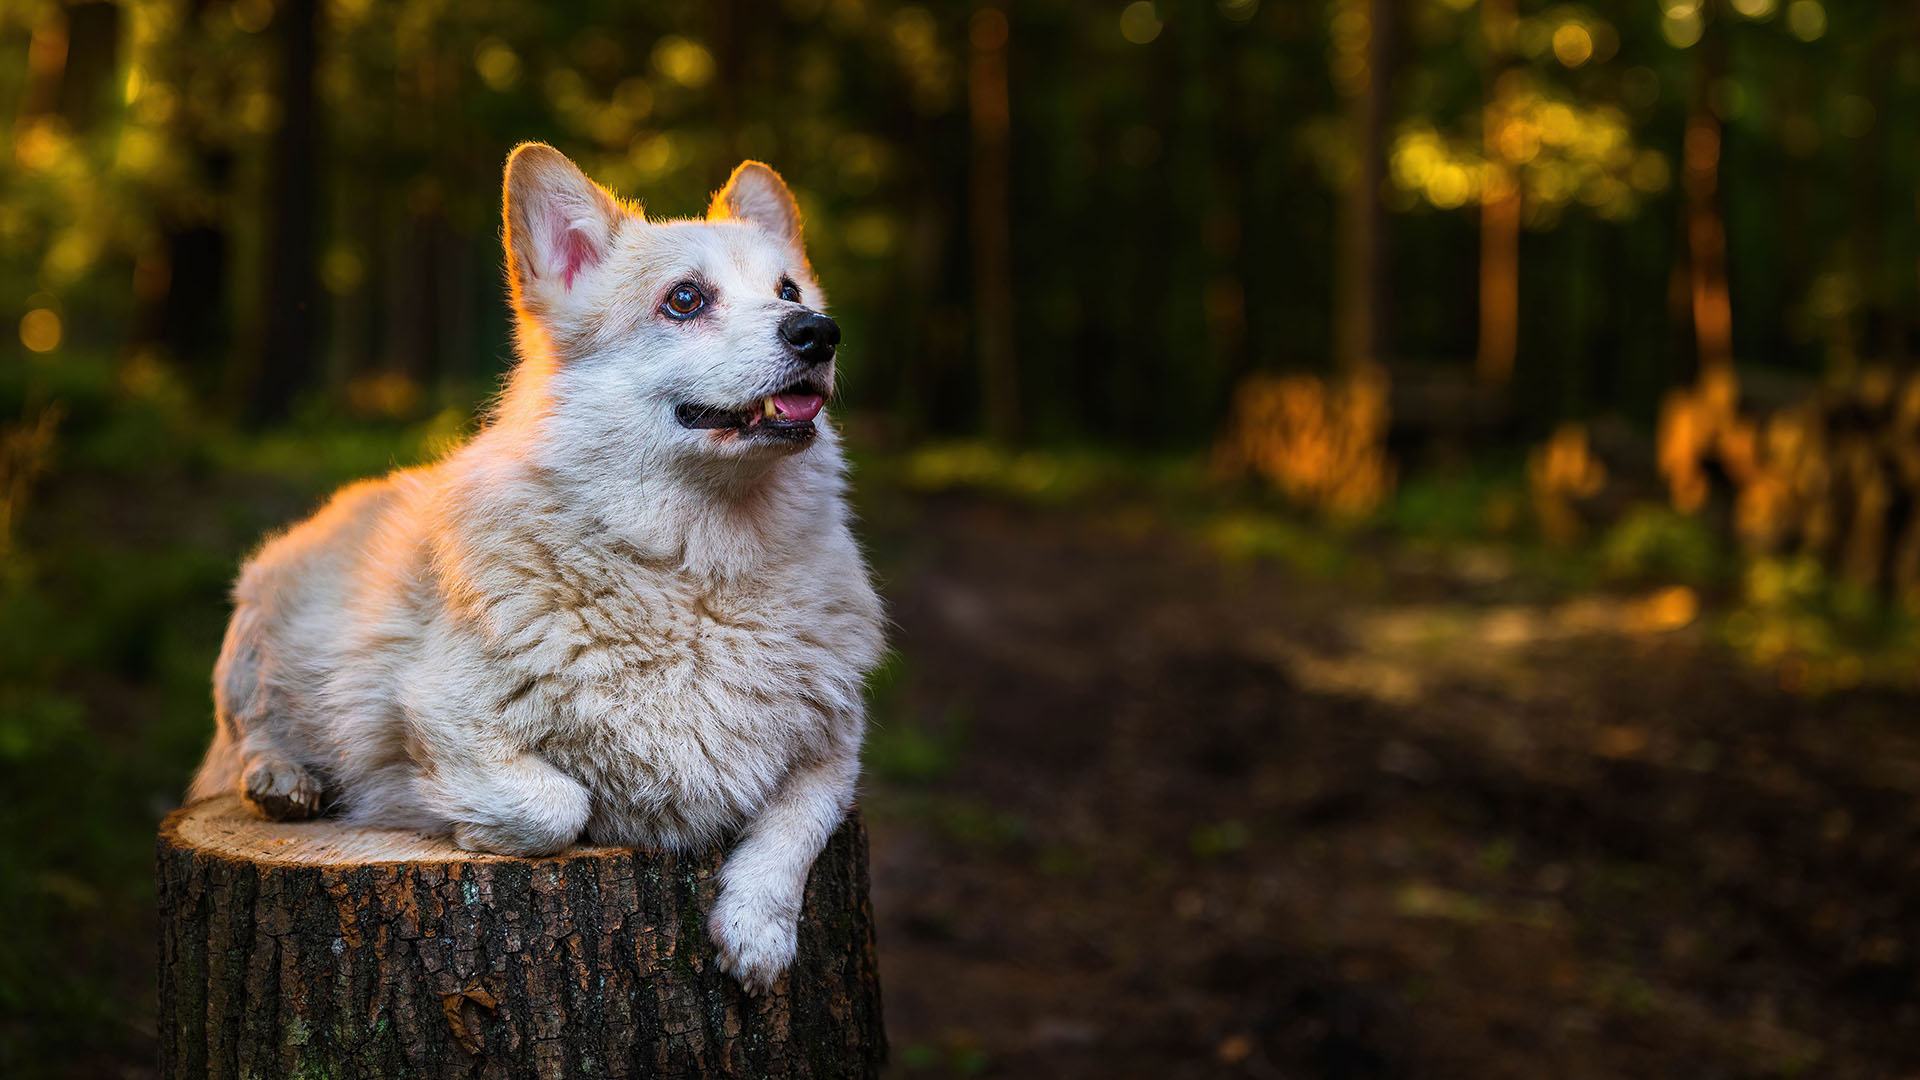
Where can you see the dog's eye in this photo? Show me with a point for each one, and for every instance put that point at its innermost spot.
(684, 301)
(789, 291)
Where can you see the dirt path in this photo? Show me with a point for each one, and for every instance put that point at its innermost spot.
(1139, 813)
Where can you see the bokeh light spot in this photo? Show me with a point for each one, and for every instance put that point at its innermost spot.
(1807, 19)
(1572, 45)
(260, 112)
(683, 60)
(652, 154)
(1139, 23)
(497, 63)
(1682, 27)
(1728, 98)
(1853, 116)
(252, 16)
(40, 330)
(342, 271)
(1650, 172)
(870, 235)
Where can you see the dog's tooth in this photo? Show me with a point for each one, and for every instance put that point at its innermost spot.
(768, 402)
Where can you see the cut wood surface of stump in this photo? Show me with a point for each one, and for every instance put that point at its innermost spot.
(316, 949)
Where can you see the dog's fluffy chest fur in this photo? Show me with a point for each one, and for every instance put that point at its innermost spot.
(679, 700)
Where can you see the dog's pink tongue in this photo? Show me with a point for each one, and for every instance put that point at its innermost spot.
(798, 407)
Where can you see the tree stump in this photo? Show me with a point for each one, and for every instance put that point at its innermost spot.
(314, 949)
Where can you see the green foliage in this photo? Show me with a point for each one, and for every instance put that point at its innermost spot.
(901, 746)
(1218, 839)
(1655, 542)
(1054, 476)
(957, 1059)
(103, 666)
(1250, 534)
(1459, 504)
(909, 753)
(324, 455)
(970, 825)
(1820, 633)
(982, 466)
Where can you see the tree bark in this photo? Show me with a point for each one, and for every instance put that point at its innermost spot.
(318, 950)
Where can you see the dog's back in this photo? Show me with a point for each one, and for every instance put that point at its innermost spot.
(283, 634)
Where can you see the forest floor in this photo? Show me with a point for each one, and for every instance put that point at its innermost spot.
(1139, 811)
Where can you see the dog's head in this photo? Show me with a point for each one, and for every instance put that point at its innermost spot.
(702, 339)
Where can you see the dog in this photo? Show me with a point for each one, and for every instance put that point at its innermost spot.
(629, 610)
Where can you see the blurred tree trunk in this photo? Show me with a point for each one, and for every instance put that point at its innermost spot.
(917, 316)
(182, 286)
(992, 230)
(1232, 151)
(46, 66)
(193, 325)
(1790, 224)
(1500, 203)
(1878, 317)
(73, 58)
(288, 356)
(1706, 232)
(729, 50)
(1907, 284)
(459, 344)
(1362, 329)
(414, 308)
(90, 74)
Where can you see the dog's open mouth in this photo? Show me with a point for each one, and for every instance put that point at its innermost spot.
(786, 415)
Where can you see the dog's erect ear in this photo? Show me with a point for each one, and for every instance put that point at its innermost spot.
(560, 226)
(756, 194)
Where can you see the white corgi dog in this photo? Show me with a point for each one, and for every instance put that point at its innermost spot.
(630, 610)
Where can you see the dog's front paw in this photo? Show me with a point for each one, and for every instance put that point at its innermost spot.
(756, 942)
(524, 840)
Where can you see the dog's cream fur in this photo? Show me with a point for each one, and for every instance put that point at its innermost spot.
(588, 622)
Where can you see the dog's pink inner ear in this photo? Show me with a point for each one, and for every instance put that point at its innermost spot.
(560, 225)
(575, 251)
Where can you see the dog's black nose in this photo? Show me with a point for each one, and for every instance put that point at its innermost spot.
(811, 334)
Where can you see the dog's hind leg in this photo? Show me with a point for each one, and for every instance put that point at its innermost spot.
(279, 787)
(247, 753)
